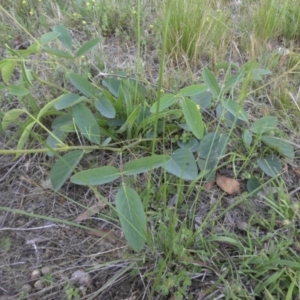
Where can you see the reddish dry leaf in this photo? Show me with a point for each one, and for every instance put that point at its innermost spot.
(228, 185)
(209, 185)
(88, 213)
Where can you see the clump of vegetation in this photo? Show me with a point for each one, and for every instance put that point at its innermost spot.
(197, 30)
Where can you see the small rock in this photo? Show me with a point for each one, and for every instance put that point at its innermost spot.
(243, 226)
(26, 288)
(36, 274)
(39, 285)
(81, 278)
(46, 270)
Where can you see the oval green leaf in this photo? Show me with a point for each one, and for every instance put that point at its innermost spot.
(165, 101)
(208, 167)
(55, 140)
(258, 73)
(264, 124)
(88, 46)
(105, 108)
(145, 164)
(279, 145)
(113, 85)
(193, 117)
(232, 81)
(270, 164)
(7, 70)
(11, 116)
(213, 145)
(48, 37)
(202, 99)
(58, 52)
(86, 123)
(63, 168)
(64, 36)
(82, 84)
(247, 137)
(68, 100)
(132, 217)
(192, 90)
(96, 176)
(235, 109)
(25, 135)
(62, 121)
(252, 185)
(192, 144)
(17, 90)
(211, 82)
(182, 164)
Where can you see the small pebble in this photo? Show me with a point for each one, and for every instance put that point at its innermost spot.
(26, 288)
(80, 277)
(243, 226)
(36, 274)
(39, 285)
(46, 270)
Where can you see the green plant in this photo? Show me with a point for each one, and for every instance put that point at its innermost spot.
(276, 19)
(5, 244)
(72, 293)
(92, 113)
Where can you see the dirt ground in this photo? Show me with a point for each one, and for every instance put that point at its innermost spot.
(32, 249)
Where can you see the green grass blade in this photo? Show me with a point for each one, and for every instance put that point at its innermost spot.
(271, 279)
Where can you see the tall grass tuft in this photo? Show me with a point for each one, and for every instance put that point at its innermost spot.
(277, 19)
(196, 30)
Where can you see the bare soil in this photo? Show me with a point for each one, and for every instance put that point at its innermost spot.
(29, 244)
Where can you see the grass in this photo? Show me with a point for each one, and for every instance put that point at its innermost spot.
(197, 30)
(126, 159)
